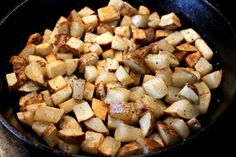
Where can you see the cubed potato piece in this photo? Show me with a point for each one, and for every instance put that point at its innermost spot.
(213, 79)
(118, 43)
(190, 35)
(89, 89)
(31, 99)
(77, 29)
(165, 74)
(71, 135)
(205, 50)
(57, 83)
(201, 88)
(127, 9)
(96, 48)
(148, 103)
(156, 137)
(149, 145)
(136, 93)
(183, 108)
(83, 111)
(46, 35)
(116, 4)
(194, 124)
(123, 76)
(71, 66)
(111, 64)
(113, 123)
(104, 39)
(34, 107)
(189, 93)
(92, 142)
(157, 61)
(75, 46)
(50, 136)
(106, 77)
(78, 88)
(117, 95)
(143, 10)
(153, 20)
(56, 68)
(126, 21)
(39, 127)
(40, 60)
(170, 21)
(34, 72)
(186, 47)
(91, 22)
(27, 97)
(165, 46)
(61, 95)
(90, 37)
(169, 136)
(28, 50)
(86, 11)
(109, 147)
(64, 56)
(68, 147)
(47, 97)
(150, 34)
(100, 109)
(130, 149)
(203, 66)
(123, 31)
(100, 90)
(173, 94)
(155, 88)
(48, 114)
(68, 122)
(43, 49)
(136, 77)
(105, 27)
(162, 33)
(110, 53)
(127, 133)
(174, 38)
(108, 13)
(193, 58)
(90, 73)
(147, 123)
(140, 21)
(11, 79)
(87, 59)
(68, 105)
(26, 117)
(96, 125)
(139, 35)
(51, 58)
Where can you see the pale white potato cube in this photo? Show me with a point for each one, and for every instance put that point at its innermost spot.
(116, 4)
(56, 68)
(11, 79)
(86, 11)
(97, 125)
(77, 29)
(68, 105)
(90, 37)
(90, 73)
(113, 123)
(170, 21)
(190, 35)
(47, 97)
(71, 65)
(64, 56)
(34, 72)
(26, 117)
(28, 50)
(61, 95)
(174, 38)
(147, 123)
(57, 83)
(189, 93)
(157, 61)
(43, 49)
(78, 88)
(39, 127)
(89, 89)
(123, 76)
(83, 111)
(48, 114)
(69, 148)
(143, 10)
(140, 21)
(123, 31)
(75, 45)
(126, 21)
(165, 46)
(106, 77)
(154, 20)
(118, 43)
(50, 136)
(205, 50)
(203, 66)
(91, 20)
(213, 79)
(117, 95)
(136, 93)
(96, 48)
(111, 64)
(104, 39)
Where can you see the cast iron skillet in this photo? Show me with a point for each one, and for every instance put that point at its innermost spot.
(34, 16)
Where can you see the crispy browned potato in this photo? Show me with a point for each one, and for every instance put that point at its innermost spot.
(130, 149)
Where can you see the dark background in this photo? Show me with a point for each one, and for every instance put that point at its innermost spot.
(219, 140)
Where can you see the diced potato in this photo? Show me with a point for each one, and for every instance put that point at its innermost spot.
(87, 59)
(75, 46)
(78, 88)
(100, 109)
(89, 89)
(35, 38)
(116, 4)
(127, 9)
(169, 136)
(56, 68)
(118, 43)
(148, 145)
(174, 38)
(140, 20)
(123, 31)
(165, 74)
(110, 53)
(201, 88)
(147, 123)
(71, 65)
(165, 46)
(68, 122)
(51, 58)
(194, 124)
(109, 147)
(139, 35)
(100, 90)
(104, 27)
(39, 127)
(147, 78)
(57, 83)
(50, 135)
(48, 114)
(90, 37)
(156, 61)
(68, 105)
(77, 29)
(117, 95)
(205, 50)
(68, 147)
(130, 149)
(113, 123)
(155, 88)
(170, 21)
(106, 77)
(162, 33)
(96, 48)
(153, 20)
(108, 13)
(143, 10)
(61, 95)
(183, 108)
(203, 66)
(136, 93)
(173, 94)
(92, 142)
(28, 50)
(25, 98)
(111, 64)
(71, 135)
(91, 20)
(34, 107)
(11, 79)
(213, 79)
(34, 72)
(186, 47)
(83, 111)
(90, 73)
(181, 76)
(26, 117)
(123, 76)
(104, 39)
(136, 77)
(127, 133)
(192, 59)
(64, 56)
(86, 11)
(189, 93)
(43, 49)
(97, 125)
(156, 137)
(190, 35)
(126, 21)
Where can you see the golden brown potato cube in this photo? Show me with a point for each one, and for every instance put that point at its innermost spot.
(34, 107)
(89, 89)
(148, 145)
(71, 135)
(11, 79)
(170, 21)
(127, 9)
(86, 11)
(56, 68)
(69, 148)
(136, 93)
(108, 54)
(139, 35)
(92, 142)
(130, 149)
(48, 114)
(126, 21)
(96, 124)
(150, 34)
(108, 13)
(153, 20)
(83, 111)
(68, 105)
(61, 95)
(35, 38)
(34, 72)
(50, 135)
(106, 77)
(96, 48)
(87, 59)
(109, 147)
(100, 109)
(136, 77)
(180, 55)
(39, 127)
(68, 122)
(186, 47)
(57, 83)
(123, 31)
(78, 86)
(26, 117)
(27, 97)
(162, 33)
(75, 46)
(193, 58)
(116, 4)
(103, 28)
(47, 97)
(43, 49)
(100, 90)
(143, 10)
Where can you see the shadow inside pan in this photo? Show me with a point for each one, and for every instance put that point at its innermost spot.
(35, 16)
